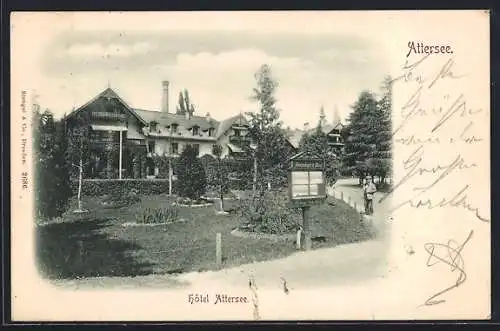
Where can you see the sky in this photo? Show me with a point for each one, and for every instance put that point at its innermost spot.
(318, 59)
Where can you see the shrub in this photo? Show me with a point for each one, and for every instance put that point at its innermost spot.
(116, 187)
(162, 163)
(210, 165)
(269, 213)
(192, 181)
(51, 180)
(118, 198)
(190, 202)
(158, 215)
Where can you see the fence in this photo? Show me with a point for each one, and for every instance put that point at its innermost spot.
(349, 200)
(359, 207)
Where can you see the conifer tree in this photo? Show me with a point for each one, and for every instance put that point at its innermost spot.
(181, 108)
(368, 135)
(382, 159)
(361, 135)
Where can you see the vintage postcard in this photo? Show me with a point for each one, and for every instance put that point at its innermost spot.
(305, 165)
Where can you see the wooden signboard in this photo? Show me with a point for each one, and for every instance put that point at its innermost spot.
(306, 184)
(306, 180)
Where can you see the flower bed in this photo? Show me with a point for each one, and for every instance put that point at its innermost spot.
(240, 232)
(214, 196)
(129, 224)
(191, 203)
(150, 216)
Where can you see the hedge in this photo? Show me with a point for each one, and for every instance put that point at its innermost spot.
(98, 187)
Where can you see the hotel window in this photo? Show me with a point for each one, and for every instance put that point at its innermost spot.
(237, 133)
(174, 128)
(175, 148)
(195, 130)
(151, 146)
(197, 148)
(152, 126)
(211, 132)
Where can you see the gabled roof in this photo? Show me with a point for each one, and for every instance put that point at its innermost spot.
(294, 138)
(227, 123)
(338, 126)
(107, 93)
(296, 135)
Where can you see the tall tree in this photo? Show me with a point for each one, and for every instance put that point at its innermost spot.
(369, 135)
(221, 175)
(78, 152)
(52, 185)
(361, 134)
(184, 105)
(181, 107)
(382, 159)
(266, 131)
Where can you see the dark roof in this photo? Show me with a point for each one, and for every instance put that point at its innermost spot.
(165, 120)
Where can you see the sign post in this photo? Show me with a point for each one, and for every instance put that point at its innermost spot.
(307, 241)
(306, 183)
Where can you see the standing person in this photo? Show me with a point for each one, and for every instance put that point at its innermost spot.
(369, 190)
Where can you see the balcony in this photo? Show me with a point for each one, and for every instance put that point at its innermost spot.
(239, 140)
(108, 116)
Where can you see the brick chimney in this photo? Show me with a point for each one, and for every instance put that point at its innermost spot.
(164, 98)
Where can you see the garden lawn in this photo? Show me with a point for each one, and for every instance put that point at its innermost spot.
(97, 244)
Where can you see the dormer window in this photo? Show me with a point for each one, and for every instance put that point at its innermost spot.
(195, 130)
(153, 126)
(237, 132)
(211, 132)
(174, 128)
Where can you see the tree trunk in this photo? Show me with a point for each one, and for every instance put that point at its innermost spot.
(221, 190)
(170, 172)
(80, 182)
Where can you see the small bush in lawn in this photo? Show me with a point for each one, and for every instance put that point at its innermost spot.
(269, 213)
(117, 197)
(190, 202)
(157, 215)
(191, 177)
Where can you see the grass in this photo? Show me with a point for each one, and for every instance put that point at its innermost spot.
(96, 243)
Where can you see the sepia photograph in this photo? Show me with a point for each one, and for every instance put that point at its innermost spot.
(187, 166)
